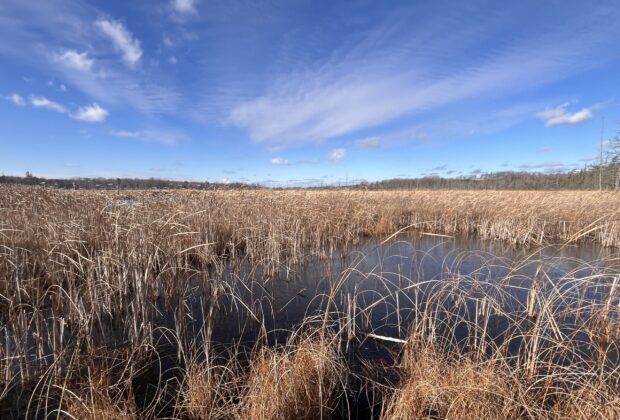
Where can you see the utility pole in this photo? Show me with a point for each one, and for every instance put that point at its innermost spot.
(600, 168)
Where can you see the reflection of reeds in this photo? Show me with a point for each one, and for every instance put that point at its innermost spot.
(86, 278)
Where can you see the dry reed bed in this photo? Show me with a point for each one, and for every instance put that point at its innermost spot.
(74, 262)
(457, 387)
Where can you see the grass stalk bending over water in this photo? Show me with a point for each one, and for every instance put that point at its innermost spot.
(112, 305)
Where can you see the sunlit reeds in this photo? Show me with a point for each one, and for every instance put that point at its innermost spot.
(97, 288)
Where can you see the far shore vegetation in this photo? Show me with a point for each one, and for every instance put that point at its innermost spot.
(604, 176)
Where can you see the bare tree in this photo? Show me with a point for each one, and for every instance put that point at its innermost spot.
(614, 161)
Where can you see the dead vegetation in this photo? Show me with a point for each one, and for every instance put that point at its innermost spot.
(108, 303)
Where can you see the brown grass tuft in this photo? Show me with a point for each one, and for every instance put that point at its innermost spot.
(298, 382)
(435, 386)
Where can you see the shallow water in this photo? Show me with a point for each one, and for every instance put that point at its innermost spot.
(396, 275)
(381, 288)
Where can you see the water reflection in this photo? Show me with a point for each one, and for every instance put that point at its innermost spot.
(390, 283)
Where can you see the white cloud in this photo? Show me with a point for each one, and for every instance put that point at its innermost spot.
(388, 76)
(337, 155)
(123, 40)
(61, 87)
(172, 59)
(280, 162)
(368, 143)
(185, 7)
(170, 137)
(16, 99)
(90, 113)
(75, 60)
(125, 133)
(560, 116)
(42, 102)
(168, 41)
(547, 166)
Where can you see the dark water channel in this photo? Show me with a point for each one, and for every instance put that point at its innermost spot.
(394, 279)
(383, 288)
(372, 290)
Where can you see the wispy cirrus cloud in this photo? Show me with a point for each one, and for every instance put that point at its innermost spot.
(184, 7)
(166, 137)
(88, 113)
(548, 167)
(125, 133)
(43, 102)
(38, 34)
(365, 85)
(61, 87)
(122, 39)
(16, 98)
(280, 162)
(368, 142)
(75, 60)
(337, 155)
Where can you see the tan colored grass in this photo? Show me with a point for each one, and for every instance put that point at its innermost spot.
(439, 387)
(587, 403)
(71, 261)
(96, 399)
(210, 390)
(298, 382)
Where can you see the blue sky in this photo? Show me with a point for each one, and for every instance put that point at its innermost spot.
(295, 92)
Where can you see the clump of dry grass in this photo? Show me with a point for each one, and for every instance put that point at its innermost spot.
(97, 404)
(83, 393)
(586, 403)
(211, 390)
(436, 386)
(300, 381)
(440, 386)
(563, 362)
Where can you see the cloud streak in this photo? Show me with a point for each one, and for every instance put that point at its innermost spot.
(122, 39)
(166, 137)
(280, 162)
(368, 143)
(43, 102)
(365, 85)
(16, 98)
(548, 167)
(337, 155)
(184, 7)
(75, 60)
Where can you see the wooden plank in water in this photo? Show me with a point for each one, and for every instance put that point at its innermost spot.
(436, 234)
(384, 338)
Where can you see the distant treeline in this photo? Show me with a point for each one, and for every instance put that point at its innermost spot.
(120, 183)
(606, 177)
(591, 178)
